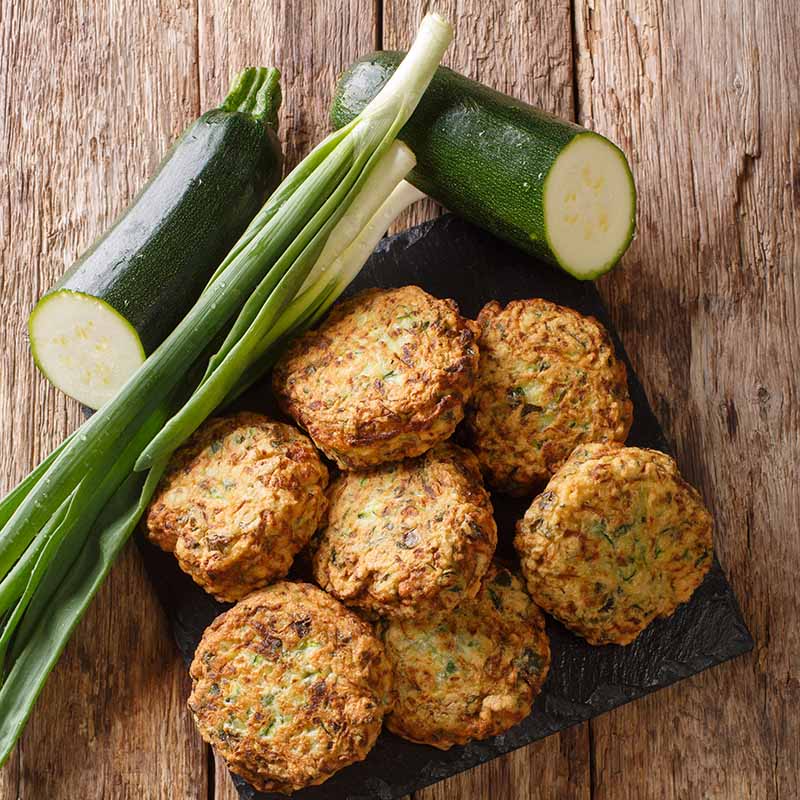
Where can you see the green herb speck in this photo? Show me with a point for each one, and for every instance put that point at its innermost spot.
(530, 662)
(600, 528)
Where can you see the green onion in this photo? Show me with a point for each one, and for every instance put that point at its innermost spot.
(62, 527)
(44, 640)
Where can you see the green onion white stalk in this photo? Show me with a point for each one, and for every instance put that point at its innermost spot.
(332, 279)
(62, 527)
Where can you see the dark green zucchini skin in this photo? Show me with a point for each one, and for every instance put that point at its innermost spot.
(155, 260)
(473, 147)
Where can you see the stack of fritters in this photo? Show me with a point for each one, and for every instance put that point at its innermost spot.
(444, 642)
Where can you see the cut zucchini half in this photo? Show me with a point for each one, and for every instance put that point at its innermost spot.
(589, 204)
(84, 346)
(141, 277)
(546, 185)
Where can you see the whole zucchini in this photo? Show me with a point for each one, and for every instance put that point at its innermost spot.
(137, 281)
(553, 188)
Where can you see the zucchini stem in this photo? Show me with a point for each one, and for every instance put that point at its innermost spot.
(256, 91)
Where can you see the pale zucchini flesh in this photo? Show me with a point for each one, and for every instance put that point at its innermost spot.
(589, 205)
(84, 346)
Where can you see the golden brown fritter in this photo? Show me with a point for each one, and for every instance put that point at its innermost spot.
(408, 536)
(384, 378)
(289, 687)
(469, 673)
(617, 539)
(548, 381)
(237, 502)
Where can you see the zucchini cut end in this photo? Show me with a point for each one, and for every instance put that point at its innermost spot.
(83, 346)
(589, 203)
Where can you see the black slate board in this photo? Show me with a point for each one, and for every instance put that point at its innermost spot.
(450, 258)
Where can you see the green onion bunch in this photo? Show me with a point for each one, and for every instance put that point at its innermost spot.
(62, 527)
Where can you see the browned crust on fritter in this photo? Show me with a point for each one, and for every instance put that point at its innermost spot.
(548, 381)
(617, 539)
(385, 377)
(289, 687)
(237, 503)
(469, 673)
(409, 536)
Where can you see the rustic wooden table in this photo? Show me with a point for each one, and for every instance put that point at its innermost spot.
(704, 95)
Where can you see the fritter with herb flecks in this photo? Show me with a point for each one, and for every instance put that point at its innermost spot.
(289, 687)
(548, 381)
(471, 672)
(617, 539)
(385, 377)
(408, 536)
(237, 503)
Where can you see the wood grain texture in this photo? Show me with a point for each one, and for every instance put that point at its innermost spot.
(311, 43)
(705, 97)
(556, 768)
(92, 96)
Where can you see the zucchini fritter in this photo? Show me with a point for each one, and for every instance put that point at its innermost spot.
(384, 378)
(289, 687)
(617, 539)
(469, 673)
(237, 503)
(409, 536)
(548, 381)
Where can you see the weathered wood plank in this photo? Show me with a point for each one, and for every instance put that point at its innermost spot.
(92, 95)
(704, 95)
(311, 43)
(523, 49)
(557, 767)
